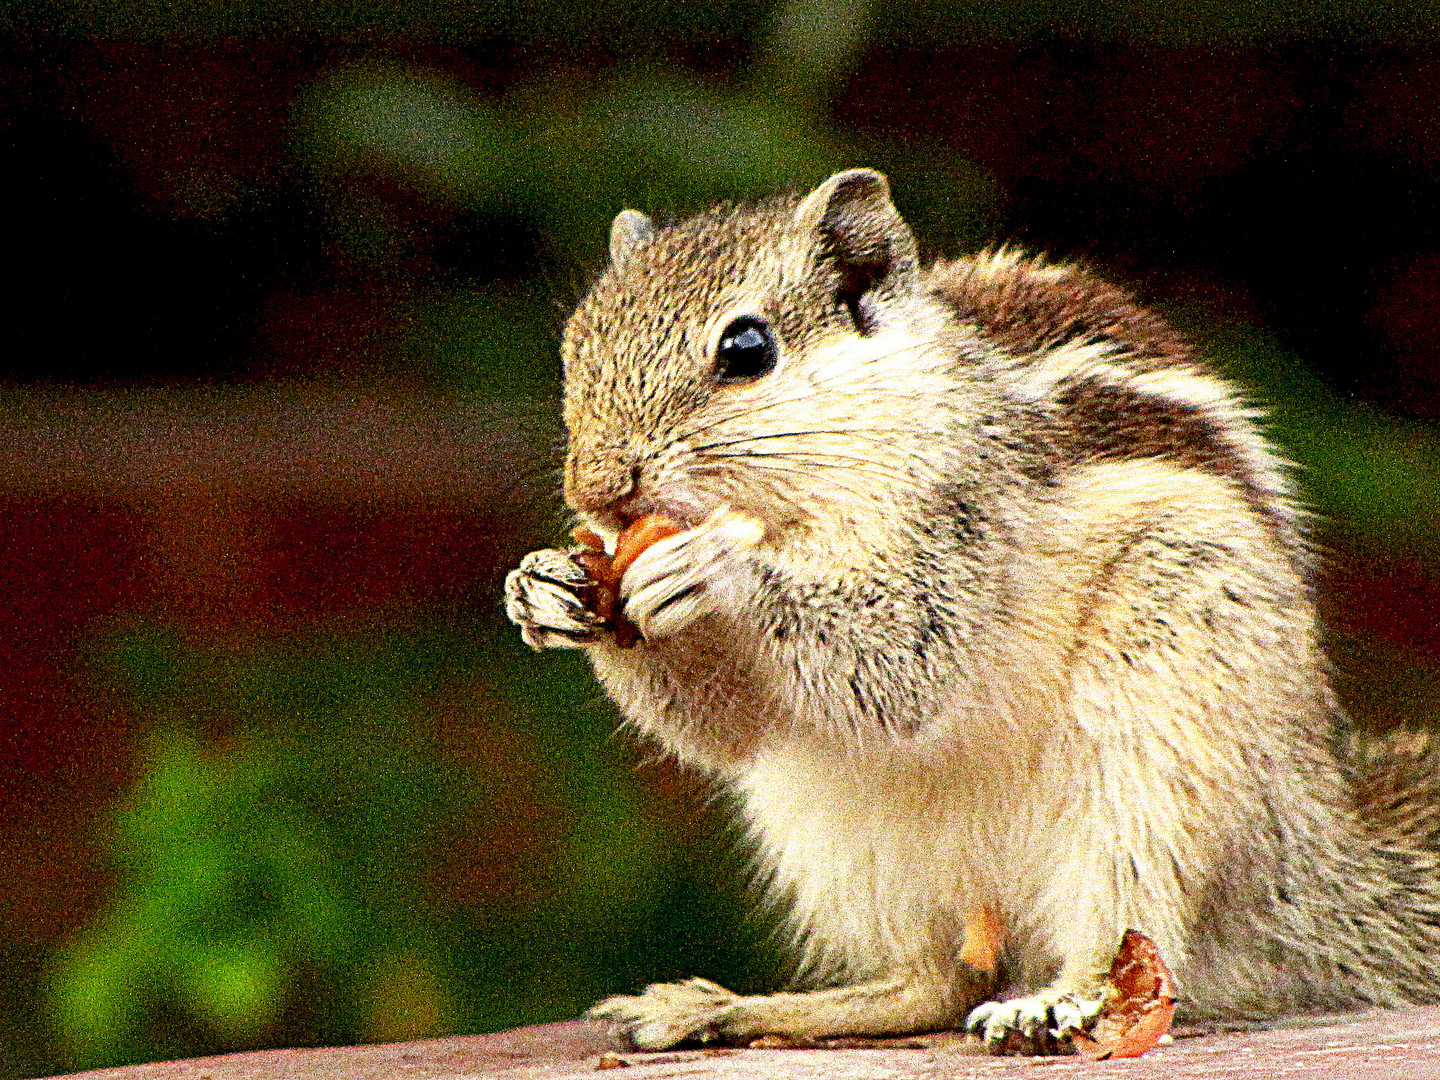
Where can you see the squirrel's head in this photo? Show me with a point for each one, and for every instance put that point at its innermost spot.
(737, 356)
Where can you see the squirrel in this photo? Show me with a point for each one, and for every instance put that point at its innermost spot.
(992, 606)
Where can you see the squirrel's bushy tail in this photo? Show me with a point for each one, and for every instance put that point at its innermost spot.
(1396, 780)
(1381, 933)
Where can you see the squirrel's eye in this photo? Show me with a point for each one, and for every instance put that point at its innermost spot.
(746, 350)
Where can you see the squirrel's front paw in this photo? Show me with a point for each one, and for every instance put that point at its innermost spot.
(682, 577)
(667, 1014)
(1041, 1024)
(548, 596)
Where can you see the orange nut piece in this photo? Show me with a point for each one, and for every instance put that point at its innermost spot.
(637, 537)
(608, 570)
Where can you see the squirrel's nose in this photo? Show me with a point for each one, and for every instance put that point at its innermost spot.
(598, 482)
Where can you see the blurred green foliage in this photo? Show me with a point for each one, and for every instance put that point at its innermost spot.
(1374, 475)
(659, 140)
(488, 339)
(645, 136)
(276, 856)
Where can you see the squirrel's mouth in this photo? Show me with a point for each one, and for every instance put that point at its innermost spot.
(618, 517)
(625, 513)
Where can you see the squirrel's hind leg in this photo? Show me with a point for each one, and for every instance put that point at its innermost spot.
(697, 1010)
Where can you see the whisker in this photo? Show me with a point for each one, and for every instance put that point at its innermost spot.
(859, 495)
(838, 461)
(740, 414)
(795, 434)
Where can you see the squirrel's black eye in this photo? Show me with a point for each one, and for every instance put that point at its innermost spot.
(746, 350)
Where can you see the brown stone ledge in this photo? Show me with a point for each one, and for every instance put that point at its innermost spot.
(1378, 1045)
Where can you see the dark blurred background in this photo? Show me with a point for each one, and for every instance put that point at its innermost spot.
(278, 395)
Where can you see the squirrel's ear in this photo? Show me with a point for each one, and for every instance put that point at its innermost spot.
(851, 220)
(629, 229)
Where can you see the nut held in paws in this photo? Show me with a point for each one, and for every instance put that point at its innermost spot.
(607, 570)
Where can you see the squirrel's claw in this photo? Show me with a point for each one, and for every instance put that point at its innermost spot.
(1041, 1024)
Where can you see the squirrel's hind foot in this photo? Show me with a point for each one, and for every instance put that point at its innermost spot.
(668, 1014)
